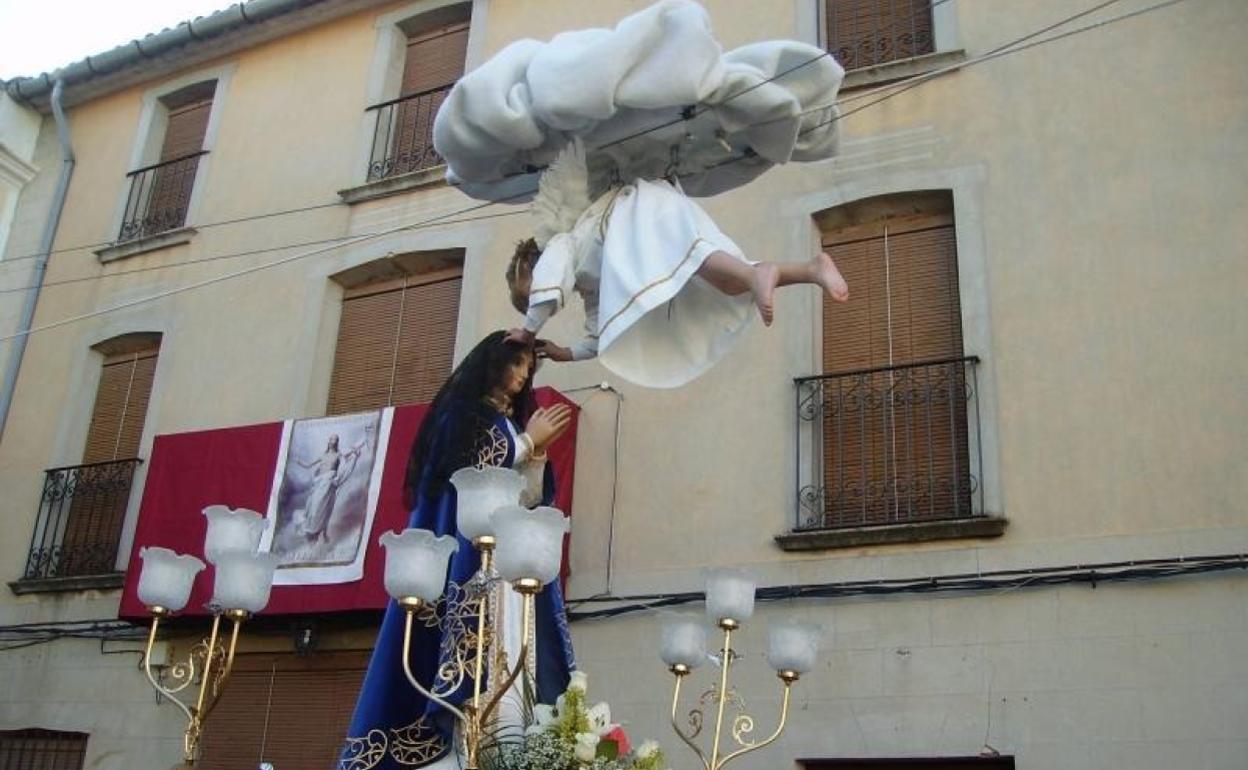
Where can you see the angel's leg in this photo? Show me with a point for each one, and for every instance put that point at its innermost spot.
(733, 276)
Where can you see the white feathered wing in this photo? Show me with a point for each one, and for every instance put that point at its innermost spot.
(562, 194)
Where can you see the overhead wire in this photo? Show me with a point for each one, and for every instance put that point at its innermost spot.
(1008, 48)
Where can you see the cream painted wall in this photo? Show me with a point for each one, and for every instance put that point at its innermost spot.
(1101, 214)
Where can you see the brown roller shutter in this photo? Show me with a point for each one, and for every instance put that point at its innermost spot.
(396, 341)
(430, 314)
(184, 134)
(120, 406)
(434, 61)
(290, 711)
(171, 184)
(896, 437)
(435, 58)
(863, 33)
(42, 750)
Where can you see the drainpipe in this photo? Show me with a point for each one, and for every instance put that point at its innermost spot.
(41, 262)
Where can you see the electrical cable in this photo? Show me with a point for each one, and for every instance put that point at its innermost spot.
(332, 204)
(999, 580)
(1001, 51)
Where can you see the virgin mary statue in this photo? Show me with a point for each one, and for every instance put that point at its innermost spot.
(476, 420)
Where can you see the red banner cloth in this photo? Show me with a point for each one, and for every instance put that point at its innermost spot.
(187, 472)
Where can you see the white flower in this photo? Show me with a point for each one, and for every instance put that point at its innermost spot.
(543, 714)
(599, 718)
(647, 749)
(586, 746)
(578, 682)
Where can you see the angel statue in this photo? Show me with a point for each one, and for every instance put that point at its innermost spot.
(627, 123)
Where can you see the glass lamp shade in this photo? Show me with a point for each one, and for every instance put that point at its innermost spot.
(729, 595)
(416, 562)
(167, 578)
(479, 492)
(231, 531)
(683, 642)
(793, 645)
(530, 542)
(243, 581)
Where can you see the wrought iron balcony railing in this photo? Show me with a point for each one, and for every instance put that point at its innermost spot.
(159, 196)
(81, 512)
(889, 445)
(870, 32)
(403, 134)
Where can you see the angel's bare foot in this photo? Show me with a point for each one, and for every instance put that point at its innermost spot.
(766, 275)
(829, 277)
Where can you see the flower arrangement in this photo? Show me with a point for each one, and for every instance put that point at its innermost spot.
(571, 735)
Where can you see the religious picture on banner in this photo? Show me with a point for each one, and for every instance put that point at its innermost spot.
(324, 496)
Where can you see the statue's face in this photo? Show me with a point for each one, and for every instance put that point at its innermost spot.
(517, 374)
(333, 442)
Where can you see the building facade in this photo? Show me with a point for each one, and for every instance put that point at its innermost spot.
(1032, 393)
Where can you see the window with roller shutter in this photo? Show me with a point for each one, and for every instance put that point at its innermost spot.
(100, 487)
(396, 340)
(864, 33)
(892, 428)
(289, 711)
(42, 750)
(160, 194)
(433, 61)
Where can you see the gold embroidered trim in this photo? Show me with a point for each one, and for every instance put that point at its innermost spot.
(652, 284)
(495, 453)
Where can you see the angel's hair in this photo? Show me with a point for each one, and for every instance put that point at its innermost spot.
(520, 269)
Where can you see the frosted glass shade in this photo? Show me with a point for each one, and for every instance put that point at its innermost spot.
(479, 492)
(793, 645)
(231, 531)
(530, 542)
(729, 595)
(416, 562)
(243, 581)
(683, 642)
(167, 578)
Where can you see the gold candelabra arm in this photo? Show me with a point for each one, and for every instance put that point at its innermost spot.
(725, 662)
(410, 612)
(214, 685)
(681, 672)
(744, 724)
(526, 621)
(181, 672)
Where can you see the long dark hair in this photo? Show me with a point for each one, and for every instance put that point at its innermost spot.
(464, 392)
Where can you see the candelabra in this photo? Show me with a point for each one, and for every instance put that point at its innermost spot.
(792, 648)
(244, 578)
(520, 546)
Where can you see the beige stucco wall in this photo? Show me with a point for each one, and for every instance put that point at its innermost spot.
(1101, 215)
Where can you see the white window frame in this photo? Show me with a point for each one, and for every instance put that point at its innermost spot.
(385, 74)
(153, 120)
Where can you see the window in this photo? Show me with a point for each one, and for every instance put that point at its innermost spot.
(435, 46)
(160, 193)
(396, 338)
(41, 750)
(286, 710)
(891, 436)
(864, 33)
(83, 507)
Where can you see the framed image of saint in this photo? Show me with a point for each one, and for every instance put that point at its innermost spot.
(324, 497)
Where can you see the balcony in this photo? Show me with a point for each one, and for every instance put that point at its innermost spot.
(889, 454)
(403, 134)
(78, 529)
(159, 197)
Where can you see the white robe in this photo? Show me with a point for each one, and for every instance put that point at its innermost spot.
(633, 258)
